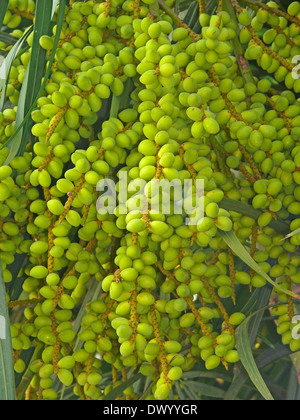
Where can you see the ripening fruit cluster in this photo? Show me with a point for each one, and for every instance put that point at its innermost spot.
(187, 110)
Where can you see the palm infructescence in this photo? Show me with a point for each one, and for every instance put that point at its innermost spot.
(103, 292)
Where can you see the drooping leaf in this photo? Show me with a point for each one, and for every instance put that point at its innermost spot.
(28, 375)
(180, 389)
(15, 286)
(273, 355)
(192, 14)
(290, 235)
(191, 394)
(205, 390)
(3, 9)
(8, 40)
(11, 56)
(60, 20)
(54, 6)
(245, 351)
(7, 379)
(262, 300)
(247, 210)
(115, 106)
(33, 77)
(207, 374)
(293, 386)
(92, 294)
(115, 393)
(255, 306)
(235, 245)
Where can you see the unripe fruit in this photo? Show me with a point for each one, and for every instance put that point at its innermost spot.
(136, 225)
(4, 192)
(205, 343)
(162, 392)
(187, 320)
(67, 336)
(224, 223)
(49, 394)
(236, 95)
(294, 8)
(175, 373)
(39, 272)
(212, 362)
(94, 379)
(126, 349)
(66, 362)
(211, 126)
(145, 299)
(232, 357)
(65, 377)
(55, 206)
(237, 319)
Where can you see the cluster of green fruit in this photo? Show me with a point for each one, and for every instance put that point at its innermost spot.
(280, 41)
(16, 11)
(188, 109)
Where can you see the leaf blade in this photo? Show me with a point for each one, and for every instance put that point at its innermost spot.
(290, 235)
(111, 396)
(205, 390)
(7, 380)
(247, 359)
(260, 298)
(8, 62)
(4, 6)
(247, 210)
(235, 245)
(60, 20)
(33, 78)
